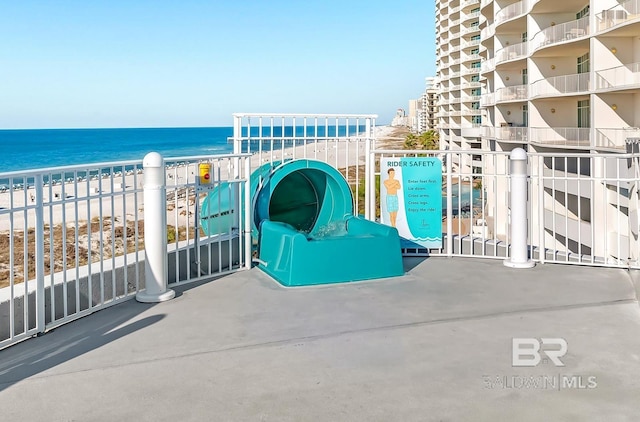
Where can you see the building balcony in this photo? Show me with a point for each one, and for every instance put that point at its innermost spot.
(624, 76)
(470, 30)
(471, 57)
(466, 85)
(471, 98)
(624, 12)
(615, 138)
(511, 52)
(488, 31)
(469, 43)
(488, 132)
(567, 31)
(565, 84)
(511, 134)
(512, 93)
(488, 65)
(470, 16)
(484, 3)
(487, 99)
(511, 11)
(561, 136)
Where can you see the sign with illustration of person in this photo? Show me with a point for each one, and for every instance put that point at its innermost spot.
(411, 198)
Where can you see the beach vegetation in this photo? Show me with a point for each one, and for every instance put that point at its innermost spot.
(429, 140)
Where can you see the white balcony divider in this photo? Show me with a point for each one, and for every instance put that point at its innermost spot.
(511, 52)
(512, 93)
(511, 11)
(615, 138)
(562, 136)
(564, 84)
(618, 77)
(559, 33)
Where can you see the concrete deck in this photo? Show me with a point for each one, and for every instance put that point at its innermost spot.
(435, 344)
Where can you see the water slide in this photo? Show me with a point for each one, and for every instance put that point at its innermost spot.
(305, 228)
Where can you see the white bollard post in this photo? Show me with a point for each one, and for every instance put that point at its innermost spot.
(518, 215)
(155, 232)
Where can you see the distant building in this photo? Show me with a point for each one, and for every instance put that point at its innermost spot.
(422, 112)
(400, 119)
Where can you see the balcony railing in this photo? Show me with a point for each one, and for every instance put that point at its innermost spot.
(487, 99)
(470, 43)
(559, 33)
(623, 12)
(511, 11)
(488, 65)
(469, 29)
(564, 84)
(561, 136)
(512, 93)
(618, 77)
(509, 133)
(511, 52)
(488, 31)
(615, 138)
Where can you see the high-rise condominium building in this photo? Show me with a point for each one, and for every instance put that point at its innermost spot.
(458, 66)
(548, 76)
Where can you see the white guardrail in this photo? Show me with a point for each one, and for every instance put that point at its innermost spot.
(73, 237)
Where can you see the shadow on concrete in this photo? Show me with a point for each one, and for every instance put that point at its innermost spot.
(37, 355)
(410, 262)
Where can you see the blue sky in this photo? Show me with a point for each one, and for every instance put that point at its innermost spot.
(141, 63)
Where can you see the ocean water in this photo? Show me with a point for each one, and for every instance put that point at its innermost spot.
(43, 148)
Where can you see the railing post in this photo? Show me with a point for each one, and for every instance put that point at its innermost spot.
(155, 231)
(39, 252)
(519, 257)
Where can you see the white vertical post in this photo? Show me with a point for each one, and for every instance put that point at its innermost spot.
(449, 245)
(370, 178)
(39, 245)
(518, 203)
(247, 214)
(155, 231)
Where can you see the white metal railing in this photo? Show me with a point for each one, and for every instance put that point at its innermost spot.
(615, 138)
(559, 33)
(624, 12)
(75, 238)
(618, 77)
(511, 11)
(511, 52)
(579, 206)
(564, 84)
(561, 136)
(79, 229)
